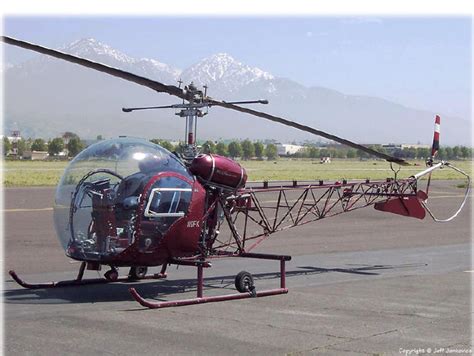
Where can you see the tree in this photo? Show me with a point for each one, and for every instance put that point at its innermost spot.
(221, 149)
(303, 153)
(442, 153)
(248, 150)
(410, 152)
(258, 148)
(324, 153)
(362, 154)
(271, 151)
(397, 152)
(163, 143)
(208, 147)
(465, 152)
(21, 147)
(99, 138)
(69, 134)
(351, 153)
(313, 152)
(74, 146)
(378, 148)
(456, 152)
(39, 145)
(7, 146)
(167, 145)
(55, 146)
(422, 153)
(341, 153)
(235, 150)
(332, 152)
(449, 153)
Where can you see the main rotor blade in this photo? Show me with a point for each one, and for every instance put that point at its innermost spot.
(310, 130)
(173, 90)
(157, 86)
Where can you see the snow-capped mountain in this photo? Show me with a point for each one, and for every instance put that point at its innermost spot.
(91, 48)
(99, 52)
(47, 96)
(95, 50)
(5, 66)
(223, 72)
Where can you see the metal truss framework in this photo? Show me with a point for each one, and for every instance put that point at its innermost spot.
(251, 217)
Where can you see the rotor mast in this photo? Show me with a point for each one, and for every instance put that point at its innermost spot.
(191, 112)
(197, 101)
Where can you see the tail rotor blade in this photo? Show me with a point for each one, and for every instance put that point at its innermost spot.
(435, 147)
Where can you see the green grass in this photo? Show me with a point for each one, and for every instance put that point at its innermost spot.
(286, 169)
(32, 173)
(40, 173)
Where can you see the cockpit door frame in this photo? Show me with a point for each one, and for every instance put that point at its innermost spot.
(151, 214)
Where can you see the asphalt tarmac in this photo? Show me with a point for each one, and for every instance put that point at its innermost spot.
(364, 282)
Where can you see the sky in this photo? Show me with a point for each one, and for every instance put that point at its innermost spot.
(420, 62)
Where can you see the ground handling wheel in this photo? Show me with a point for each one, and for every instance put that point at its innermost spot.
(244, 282)
(137, 272)
(111, 275)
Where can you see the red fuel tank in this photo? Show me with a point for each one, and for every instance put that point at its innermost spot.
(219, 170)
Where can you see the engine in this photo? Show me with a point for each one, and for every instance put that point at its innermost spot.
(217, 170)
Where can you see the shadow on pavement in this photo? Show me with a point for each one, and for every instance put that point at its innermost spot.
(158, 289)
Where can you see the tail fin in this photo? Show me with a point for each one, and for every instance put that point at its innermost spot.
(435, 147)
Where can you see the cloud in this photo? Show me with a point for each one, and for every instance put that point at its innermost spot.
(361, 20)
(319, 34)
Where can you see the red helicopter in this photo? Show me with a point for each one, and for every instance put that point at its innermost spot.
(130, 203)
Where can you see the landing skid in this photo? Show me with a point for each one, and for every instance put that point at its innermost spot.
(79, 281)
(200, 299)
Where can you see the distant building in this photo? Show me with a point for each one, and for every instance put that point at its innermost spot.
(403, 146)
(35, 155)
(287, 149)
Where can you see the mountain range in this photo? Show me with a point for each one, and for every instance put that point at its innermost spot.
(45, 97)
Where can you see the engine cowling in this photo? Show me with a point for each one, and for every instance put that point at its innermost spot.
(219, 170)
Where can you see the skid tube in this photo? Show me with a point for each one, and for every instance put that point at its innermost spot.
(79, 281)
(200, 299)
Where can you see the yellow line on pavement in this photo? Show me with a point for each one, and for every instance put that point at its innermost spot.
(25, 210)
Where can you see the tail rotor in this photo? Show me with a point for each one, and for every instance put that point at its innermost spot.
(435, 146)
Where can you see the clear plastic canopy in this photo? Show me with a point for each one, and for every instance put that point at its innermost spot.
(110, 160)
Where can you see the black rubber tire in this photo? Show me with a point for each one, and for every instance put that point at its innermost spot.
(137, 272)
(111, 275)
(244, 282)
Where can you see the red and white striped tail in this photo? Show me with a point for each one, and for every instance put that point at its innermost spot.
(435, 147)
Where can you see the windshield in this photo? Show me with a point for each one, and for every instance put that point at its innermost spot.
(119, 167)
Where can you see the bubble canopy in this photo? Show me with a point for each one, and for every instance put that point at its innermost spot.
(112, 160)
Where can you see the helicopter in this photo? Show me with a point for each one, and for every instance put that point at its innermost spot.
(131, 203)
